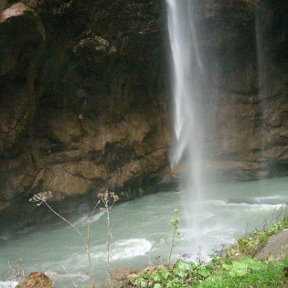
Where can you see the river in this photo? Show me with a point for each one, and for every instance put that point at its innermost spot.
(141, 233)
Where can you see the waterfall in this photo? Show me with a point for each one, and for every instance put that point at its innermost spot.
(188, 110)
(263, 20)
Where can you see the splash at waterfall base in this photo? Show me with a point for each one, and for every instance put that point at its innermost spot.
(241, 265)
(140, 235)
(202, 130)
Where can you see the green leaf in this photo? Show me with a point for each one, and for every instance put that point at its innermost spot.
(180, 272)
(143, 284)
(155, 276)
(164, 273)
(204, 273)
(240, 267)
(182, 265)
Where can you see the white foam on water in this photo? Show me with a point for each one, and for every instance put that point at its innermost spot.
(66, 275)
(126, 249)
(269, 197)
(257, 207)
(217, 202)
(60, 279)
(122, 249)
(275, 199)
(8, 284)
(131, 248)
(244, 205)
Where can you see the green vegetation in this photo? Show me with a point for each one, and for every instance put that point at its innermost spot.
(244, 273)
(251, 245)
(174, 222)
(249, 273)
(236, 268)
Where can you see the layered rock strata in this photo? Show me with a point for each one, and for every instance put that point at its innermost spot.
(84, 98)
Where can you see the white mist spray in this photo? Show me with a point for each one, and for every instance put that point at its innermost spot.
(263, 20)
(188, 111)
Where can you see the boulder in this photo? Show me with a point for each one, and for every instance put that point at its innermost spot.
(36, 280)
(121, 277)
(276, 248)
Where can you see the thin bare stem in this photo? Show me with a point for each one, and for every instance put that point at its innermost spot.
(94, 209)
(86, 241)
(109, 237)
(64, 219)
(104, 197)
(73, 283)
(107, 197)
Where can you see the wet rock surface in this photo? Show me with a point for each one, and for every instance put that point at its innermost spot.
(85, 102)
(20, 71)
(276, 249)
(78, 124)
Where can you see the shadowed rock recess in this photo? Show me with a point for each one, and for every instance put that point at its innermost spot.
(84, 98)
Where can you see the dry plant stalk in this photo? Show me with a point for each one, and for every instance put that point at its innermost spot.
(43, 197)
(108, 199)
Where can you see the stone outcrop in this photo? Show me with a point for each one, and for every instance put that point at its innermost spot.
(36, 280)
(276, 248)
(21, 63)
(84, 98)
(245, 81)
(20, 71)
(87, 111)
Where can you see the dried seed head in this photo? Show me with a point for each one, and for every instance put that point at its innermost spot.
(106, 195)
(115, 197)
(41, 196)
(99, 195)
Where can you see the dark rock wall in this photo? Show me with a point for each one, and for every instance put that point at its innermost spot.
(88, 109)
(21, 65)
(247, 75)
(85, 100)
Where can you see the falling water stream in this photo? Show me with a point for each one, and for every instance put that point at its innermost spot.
(190, 99)
(263, 20)
(189, 112)
(188, 109)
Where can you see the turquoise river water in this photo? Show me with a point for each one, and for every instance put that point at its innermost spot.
(141, 233)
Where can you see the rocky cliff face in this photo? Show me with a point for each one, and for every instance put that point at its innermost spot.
(82, 96)
(84, 101)
(246, 61)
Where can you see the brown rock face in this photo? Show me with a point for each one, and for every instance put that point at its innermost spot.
(84, 101)
(20, 71)
(99, 121)
(36, 280)
(244, 80)
(21, 62)
(276, 248)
